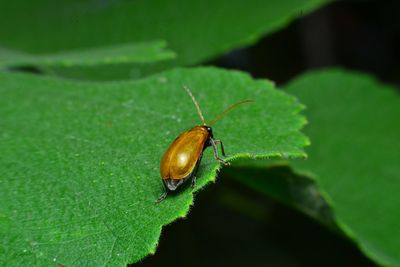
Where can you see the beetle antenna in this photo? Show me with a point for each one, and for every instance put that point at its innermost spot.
(229, 109)
(196, 104)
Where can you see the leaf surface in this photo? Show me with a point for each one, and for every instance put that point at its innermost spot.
(278, 181)
(355, 155)
(80, 161)
(196, 30)
(116, 54)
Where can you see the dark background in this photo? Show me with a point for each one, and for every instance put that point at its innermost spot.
(359, 35)
(234, 226)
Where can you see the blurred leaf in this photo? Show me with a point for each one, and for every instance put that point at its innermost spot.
(80, 161)
(196, 30)
(133, 53)
(355, 155)
(279, 182)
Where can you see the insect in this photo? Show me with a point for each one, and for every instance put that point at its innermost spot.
(182, 159)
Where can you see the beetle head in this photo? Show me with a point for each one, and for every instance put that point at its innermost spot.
(209, 130)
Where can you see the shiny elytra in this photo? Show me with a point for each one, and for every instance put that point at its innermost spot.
(182, 158)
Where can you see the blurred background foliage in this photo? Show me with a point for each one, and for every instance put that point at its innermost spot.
(230, 224)
(357, 35)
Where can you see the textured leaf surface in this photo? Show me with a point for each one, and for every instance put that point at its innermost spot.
(195, 30)
(80, 161)
(127, 53)
(355, 154)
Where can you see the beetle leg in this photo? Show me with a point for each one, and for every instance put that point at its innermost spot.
(163, 196)
(214, 146)
(222, 146)
(194, 178)
(194, 181)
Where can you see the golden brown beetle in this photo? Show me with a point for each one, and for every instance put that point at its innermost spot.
(183, 156)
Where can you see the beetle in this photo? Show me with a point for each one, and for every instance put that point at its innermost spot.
(182, 159)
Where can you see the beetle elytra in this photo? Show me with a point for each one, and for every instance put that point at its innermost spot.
(182, 159)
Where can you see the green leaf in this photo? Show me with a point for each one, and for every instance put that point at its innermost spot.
(195, 30)
(126, 53)
(278, 181)
(80, 161)
(355, 155)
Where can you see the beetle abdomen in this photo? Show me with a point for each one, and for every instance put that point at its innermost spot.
(182, 155)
